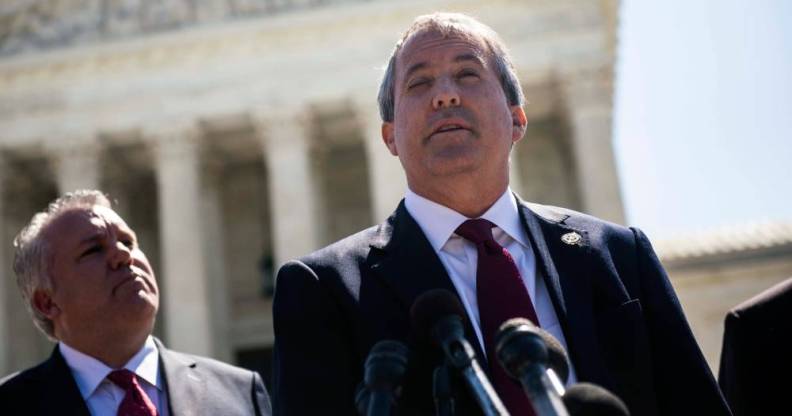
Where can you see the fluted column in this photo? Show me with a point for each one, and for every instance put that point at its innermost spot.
(285, 144)
(184, 285)
(387, 182)
(214, 250)
(76, 165)
(5, 284)
(589, 98)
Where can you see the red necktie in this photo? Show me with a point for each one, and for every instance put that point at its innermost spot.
(501, 296)
(136, 402)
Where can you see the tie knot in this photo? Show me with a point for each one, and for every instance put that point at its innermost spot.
(476, 231)
(123, 378)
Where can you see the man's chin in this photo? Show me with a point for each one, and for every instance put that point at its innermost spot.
(454, 163)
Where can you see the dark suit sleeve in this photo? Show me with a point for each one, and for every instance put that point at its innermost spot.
(259, 396)
(313, 370)
(732, 368)
(682, 378)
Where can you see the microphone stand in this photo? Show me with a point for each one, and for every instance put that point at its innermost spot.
(443, 392)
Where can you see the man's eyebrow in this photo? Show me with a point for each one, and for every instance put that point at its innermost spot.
(469, 57)
(413, 68)
(92, 238)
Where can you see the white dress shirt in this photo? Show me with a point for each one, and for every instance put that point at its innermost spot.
(459, 256)
(100, 394)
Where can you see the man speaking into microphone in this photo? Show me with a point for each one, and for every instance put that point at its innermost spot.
(451, 106)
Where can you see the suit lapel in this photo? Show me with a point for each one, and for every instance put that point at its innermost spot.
(185, 387)
(405, 260)
(566, 271)
(63, 397)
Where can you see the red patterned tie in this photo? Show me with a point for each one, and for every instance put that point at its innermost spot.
(501, 296)
(136, 402)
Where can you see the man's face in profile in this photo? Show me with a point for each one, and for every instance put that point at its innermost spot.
(102, 281)
(451, 115)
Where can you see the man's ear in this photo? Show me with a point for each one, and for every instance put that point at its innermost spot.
(44, 304)
(519, 122)
(389, 137)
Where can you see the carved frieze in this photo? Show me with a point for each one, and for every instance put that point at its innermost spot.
(46, 24)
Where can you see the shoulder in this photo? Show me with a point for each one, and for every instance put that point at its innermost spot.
(23, 382)
(345, 254)
(353, 248)
(222, 385)
(773, 302)
(206, 365)
(599, 231)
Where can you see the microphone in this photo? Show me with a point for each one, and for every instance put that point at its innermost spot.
(384, 369)
(523, 354)
(438, 314)
(557, 361)
(362, 398)
(586, 399)
(557, 357)
(442, 391)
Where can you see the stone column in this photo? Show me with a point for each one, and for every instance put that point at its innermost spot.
(292, 188)
(6, 285)
(387, 182)
(184, 286)
(214, 250)
(589, 97)
(76, 165)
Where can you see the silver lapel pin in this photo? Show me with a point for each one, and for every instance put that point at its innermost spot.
(572, 238)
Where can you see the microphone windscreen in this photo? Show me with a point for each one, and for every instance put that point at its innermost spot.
(586, 399)
(386, 364)
(432, 306)
(389, 347)
(362, 395)
(557, 357)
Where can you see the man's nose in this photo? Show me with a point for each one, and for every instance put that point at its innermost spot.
(121, 255)
(445, 96)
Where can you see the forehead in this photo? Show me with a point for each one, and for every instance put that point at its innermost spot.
(430, 47)
(76, 223)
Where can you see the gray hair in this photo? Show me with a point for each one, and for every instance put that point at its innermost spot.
(453, 24)
(32, 257)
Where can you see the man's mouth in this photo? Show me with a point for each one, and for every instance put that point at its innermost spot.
(135, 278)
(449, 127)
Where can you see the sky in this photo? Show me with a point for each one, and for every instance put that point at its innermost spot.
(703, 113)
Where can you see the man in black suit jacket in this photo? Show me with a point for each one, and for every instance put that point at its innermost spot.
(90, 287)
(755, 361)
(452, 109)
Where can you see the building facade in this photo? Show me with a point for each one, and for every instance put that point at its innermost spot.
(236, 135)
(715, 270)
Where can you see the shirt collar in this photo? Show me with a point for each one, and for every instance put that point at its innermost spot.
(439, 222)
(89, 372)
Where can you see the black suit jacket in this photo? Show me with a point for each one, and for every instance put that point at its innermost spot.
(620, 316)
(756, 359)
(194, 385)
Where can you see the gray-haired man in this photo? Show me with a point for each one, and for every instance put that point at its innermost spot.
(90, 288)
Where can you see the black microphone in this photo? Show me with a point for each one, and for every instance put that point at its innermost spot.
(362, 395)
(557, 357)
(438, 314)
(523, 354)
(586, 399)
(557, 361)
(385, 368)
(443, 391)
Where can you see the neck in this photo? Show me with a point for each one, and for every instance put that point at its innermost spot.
(467, 197)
